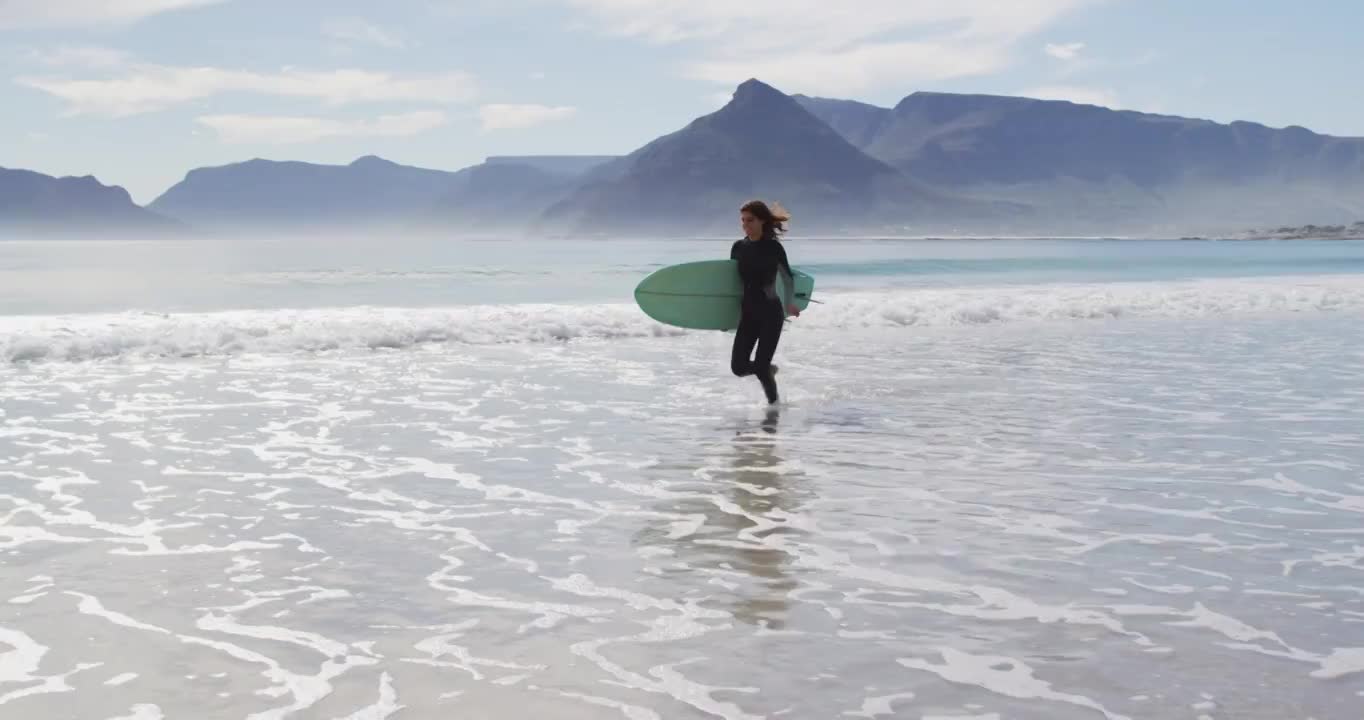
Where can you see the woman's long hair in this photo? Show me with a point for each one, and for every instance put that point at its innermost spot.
(774, 218)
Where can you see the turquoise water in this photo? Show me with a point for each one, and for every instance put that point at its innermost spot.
(78, 277)
(1130, 261)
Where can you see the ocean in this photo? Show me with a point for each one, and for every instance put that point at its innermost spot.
(388, 478)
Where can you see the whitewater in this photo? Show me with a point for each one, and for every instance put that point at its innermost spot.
(388, 478)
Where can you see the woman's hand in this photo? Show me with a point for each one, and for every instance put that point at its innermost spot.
(793, 311)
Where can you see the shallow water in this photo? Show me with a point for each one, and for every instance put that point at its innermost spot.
(1032, 499)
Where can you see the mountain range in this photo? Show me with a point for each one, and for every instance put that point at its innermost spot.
(34, 203)
(935, 163)
(1090, 166)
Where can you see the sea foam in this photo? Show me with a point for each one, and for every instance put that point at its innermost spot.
(160, 335)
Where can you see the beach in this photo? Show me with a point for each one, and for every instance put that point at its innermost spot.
(1007, 479)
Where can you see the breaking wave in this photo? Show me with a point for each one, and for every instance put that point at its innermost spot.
(156, 335)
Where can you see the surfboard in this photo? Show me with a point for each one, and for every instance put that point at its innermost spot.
(705, 294)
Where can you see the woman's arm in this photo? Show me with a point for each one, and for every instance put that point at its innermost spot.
(789, 295)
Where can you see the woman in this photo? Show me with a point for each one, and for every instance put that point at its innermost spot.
(760, 257)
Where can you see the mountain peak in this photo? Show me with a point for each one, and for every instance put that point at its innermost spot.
(753, 85)
(372, 161)
(755, 107)
(754, 93)
(763, 143)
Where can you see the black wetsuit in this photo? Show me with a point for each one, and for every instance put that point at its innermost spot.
(762, 311)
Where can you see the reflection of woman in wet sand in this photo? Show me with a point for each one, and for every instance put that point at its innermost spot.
(725, 544)
(755, 465)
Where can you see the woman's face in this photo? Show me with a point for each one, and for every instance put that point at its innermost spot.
(753, 227)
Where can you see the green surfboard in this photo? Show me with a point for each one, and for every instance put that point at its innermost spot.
(704, 295)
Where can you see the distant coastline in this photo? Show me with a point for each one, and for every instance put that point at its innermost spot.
(1301, 232)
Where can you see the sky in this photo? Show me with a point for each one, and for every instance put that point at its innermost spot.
(139, 92)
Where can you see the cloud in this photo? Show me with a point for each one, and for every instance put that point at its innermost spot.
(56, 13)
(818, 46)
(837, 72)
(90, 57)
(141, 88)
(506, 117)
(1084, 95)
(353, 29)
(286, 129)
(1068, 51)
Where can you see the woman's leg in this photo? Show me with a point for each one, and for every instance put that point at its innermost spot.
(769, 333)
(745, 336)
